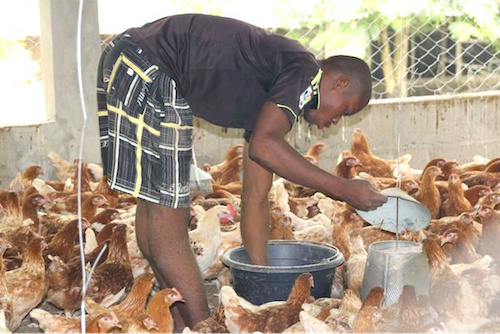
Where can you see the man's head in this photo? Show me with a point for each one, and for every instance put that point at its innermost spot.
(344, 90)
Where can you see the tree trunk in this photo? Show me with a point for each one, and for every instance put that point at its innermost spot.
(441, 66)
(387, 65)
(401, 62)
(459, 64)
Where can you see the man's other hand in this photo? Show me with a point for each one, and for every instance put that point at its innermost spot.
(362, 195)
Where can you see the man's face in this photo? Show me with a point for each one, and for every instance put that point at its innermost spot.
(334, 103)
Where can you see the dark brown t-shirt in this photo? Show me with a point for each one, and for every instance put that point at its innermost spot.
(226, 69)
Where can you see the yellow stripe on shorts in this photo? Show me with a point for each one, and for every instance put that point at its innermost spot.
(134, 120)
(176, 126)
(138, 155)
(130, 64)
(137, 70)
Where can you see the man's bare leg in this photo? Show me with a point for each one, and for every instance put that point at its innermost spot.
(141, 232)
(174, 260)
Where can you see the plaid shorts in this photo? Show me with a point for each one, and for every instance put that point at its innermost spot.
(145, 127)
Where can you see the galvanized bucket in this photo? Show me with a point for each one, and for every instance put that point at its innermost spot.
(394, 267)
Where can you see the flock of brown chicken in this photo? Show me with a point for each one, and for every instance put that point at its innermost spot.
(41, 252)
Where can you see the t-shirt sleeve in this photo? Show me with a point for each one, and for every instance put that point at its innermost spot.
(294, 77)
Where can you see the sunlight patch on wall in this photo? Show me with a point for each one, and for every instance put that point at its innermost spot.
(21, 81)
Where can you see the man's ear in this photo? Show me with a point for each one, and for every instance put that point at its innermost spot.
(342, 82)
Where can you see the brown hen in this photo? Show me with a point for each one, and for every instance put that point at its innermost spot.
(50, 323)
(405, 315)
(464, 222)
(90, 205)
(65, 279)
(438, 162)
(23, 180)
(215, 323)
(428, 194)
(159, 308)
(452, 297)
(30, 209)
(355, 265)
(485, 178)
(272, 319)
(491, 199)
(63, 169)
(27, 283)
(133, 305)
(64, 283)
(18, 239)
(230, 172)
(115, 273)
(111, 195)
(368, 318)
(233, 152)
(316, 150)
(341, 239)
(234, 188)
(105, 217)
(462, 249)
(448, 168)
(474, 193)
(84, 179)
(141, 324)
(63, 242)
(347, 168)
(279, 229)
(11, 202)
(5, 298)
(371, 164)
(456, 202)
(489, 242)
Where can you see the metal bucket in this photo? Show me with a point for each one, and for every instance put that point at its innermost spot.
(392, 268)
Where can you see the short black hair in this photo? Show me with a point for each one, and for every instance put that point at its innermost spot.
(355, 69)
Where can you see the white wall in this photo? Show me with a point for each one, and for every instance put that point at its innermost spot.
(456, 128)
(23, 146)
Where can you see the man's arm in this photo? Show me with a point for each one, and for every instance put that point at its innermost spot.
(254, 225)
(270, 150)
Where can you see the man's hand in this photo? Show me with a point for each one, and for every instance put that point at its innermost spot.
(362, 195)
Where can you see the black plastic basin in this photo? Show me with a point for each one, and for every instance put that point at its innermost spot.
(287, 260)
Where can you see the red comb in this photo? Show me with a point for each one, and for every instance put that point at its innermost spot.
(232, 212)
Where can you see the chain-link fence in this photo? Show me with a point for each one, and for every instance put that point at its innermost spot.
(434, 52)
(429, 48)
(412, 56)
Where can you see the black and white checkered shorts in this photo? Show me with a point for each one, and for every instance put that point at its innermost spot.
(145, 127)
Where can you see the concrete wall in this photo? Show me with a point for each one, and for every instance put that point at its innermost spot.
(23, 146)
(453, 127)
(457, 127)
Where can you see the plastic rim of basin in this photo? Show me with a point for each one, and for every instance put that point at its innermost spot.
(332, 261)
(412, 214)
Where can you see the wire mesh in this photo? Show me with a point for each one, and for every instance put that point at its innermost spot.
(412, 56)
(430, 49)
(393, 265)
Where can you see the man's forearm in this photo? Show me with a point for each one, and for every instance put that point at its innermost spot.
(278, 156)
(255, 209)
